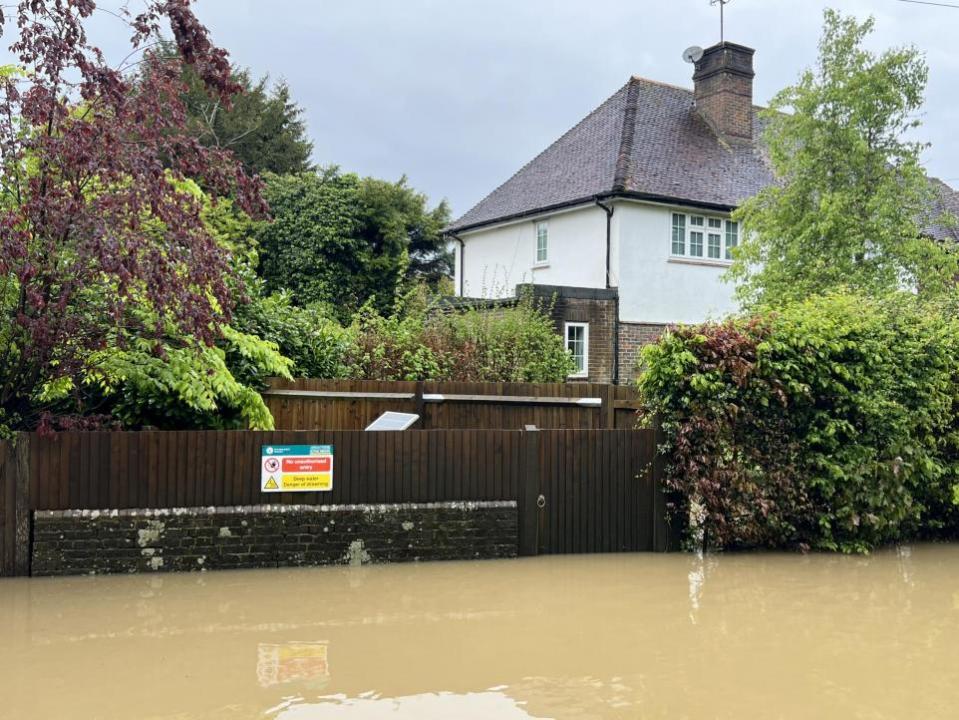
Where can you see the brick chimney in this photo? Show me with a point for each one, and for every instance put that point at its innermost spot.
(723, 82)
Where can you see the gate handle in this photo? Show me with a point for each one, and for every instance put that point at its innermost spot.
(541, 502)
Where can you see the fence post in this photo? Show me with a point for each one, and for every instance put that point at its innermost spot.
(608, 410)
(21, 504)
(529, 493)
(420, 403)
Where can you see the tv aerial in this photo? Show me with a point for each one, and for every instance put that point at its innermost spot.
(692, 54)
(722, 6)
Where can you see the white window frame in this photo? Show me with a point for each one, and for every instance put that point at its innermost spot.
(585, 327)
(541, 226)
(725, 249)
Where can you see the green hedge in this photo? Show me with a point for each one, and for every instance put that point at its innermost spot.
(830, 424)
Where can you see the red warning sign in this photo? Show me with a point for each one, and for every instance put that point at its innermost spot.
(307, 464)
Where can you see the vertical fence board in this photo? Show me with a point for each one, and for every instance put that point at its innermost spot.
(19, 464)
(6, 509)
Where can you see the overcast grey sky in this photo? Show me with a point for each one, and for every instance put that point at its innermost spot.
(459, 94)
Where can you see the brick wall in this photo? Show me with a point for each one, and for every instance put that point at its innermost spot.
(73, 542)
(588, 305)
(632, 338)
(723, 83)
(599, 308)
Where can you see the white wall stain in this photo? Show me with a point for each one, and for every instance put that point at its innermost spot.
(151, 533)
(356, 554)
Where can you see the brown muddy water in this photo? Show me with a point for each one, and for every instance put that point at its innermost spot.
(615, 636)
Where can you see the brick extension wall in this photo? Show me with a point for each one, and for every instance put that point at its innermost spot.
(599, 308)
(632, 338)
(73, 542)
(594, 306)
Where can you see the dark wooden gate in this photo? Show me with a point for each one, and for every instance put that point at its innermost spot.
(592, 491)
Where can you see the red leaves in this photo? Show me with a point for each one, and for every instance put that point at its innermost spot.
(96, 159)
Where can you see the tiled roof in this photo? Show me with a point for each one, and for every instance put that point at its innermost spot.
(580, 164)
(645, 139)
(946, 203)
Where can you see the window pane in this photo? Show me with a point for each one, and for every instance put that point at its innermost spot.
(715, 240)
(576, 344)
(732, 238)
(696, 244)
(679, 234)
(715, 223)
(542, 242)
(697, 220)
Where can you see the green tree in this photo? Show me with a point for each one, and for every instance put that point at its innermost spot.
(311, 247)
(340, 240)
(852, 199)
(262, 125)
(394, 214)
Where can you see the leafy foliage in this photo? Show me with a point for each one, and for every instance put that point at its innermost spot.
(309, 248)
(340, 240)
(313, 342)
(186, 385)
(512, 344)
(94, 217)
(396, 215)
(831, 424)
(852, 198)
(261, 125)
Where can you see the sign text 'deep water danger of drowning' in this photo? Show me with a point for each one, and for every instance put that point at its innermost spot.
(296, 468)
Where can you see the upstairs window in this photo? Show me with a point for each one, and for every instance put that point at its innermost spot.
(732, 238)
(577, 342)
(702, 236)
(542, 243)
(714, 238)
(696, 225)
(679, 234)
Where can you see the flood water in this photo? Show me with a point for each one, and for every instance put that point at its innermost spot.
(616, 636)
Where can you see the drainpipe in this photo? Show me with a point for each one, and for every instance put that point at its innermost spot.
(609, 220)
(462, 260)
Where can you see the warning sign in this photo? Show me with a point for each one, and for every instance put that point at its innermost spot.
(296, 468)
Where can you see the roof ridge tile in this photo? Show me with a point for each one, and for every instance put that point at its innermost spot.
(624, 158)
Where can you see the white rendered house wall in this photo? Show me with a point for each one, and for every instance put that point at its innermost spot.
(654, 285)
(499, 258)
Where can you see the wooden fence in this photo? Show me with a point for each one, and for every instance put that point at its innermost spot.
(577, 490)
(306, 404)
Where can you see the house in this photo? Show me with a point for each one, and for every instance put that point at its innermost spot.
(625, 220)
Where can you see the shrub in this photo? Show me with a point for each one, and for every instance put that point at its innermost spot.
(314, 342)
(419, 342)
(830, 424)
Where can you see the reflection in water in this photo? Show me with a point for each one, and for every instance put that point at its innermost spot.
(277, 664)
(615, 636)
(427, 706)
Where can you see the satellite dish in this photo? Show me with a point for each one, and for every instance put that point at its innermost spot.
(692, 54)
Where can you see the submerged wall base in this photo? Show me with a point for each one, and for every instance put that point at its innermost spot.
(75, 542)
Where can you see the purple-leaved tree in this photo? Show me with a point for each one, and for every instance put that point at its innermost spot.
(93, 216)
